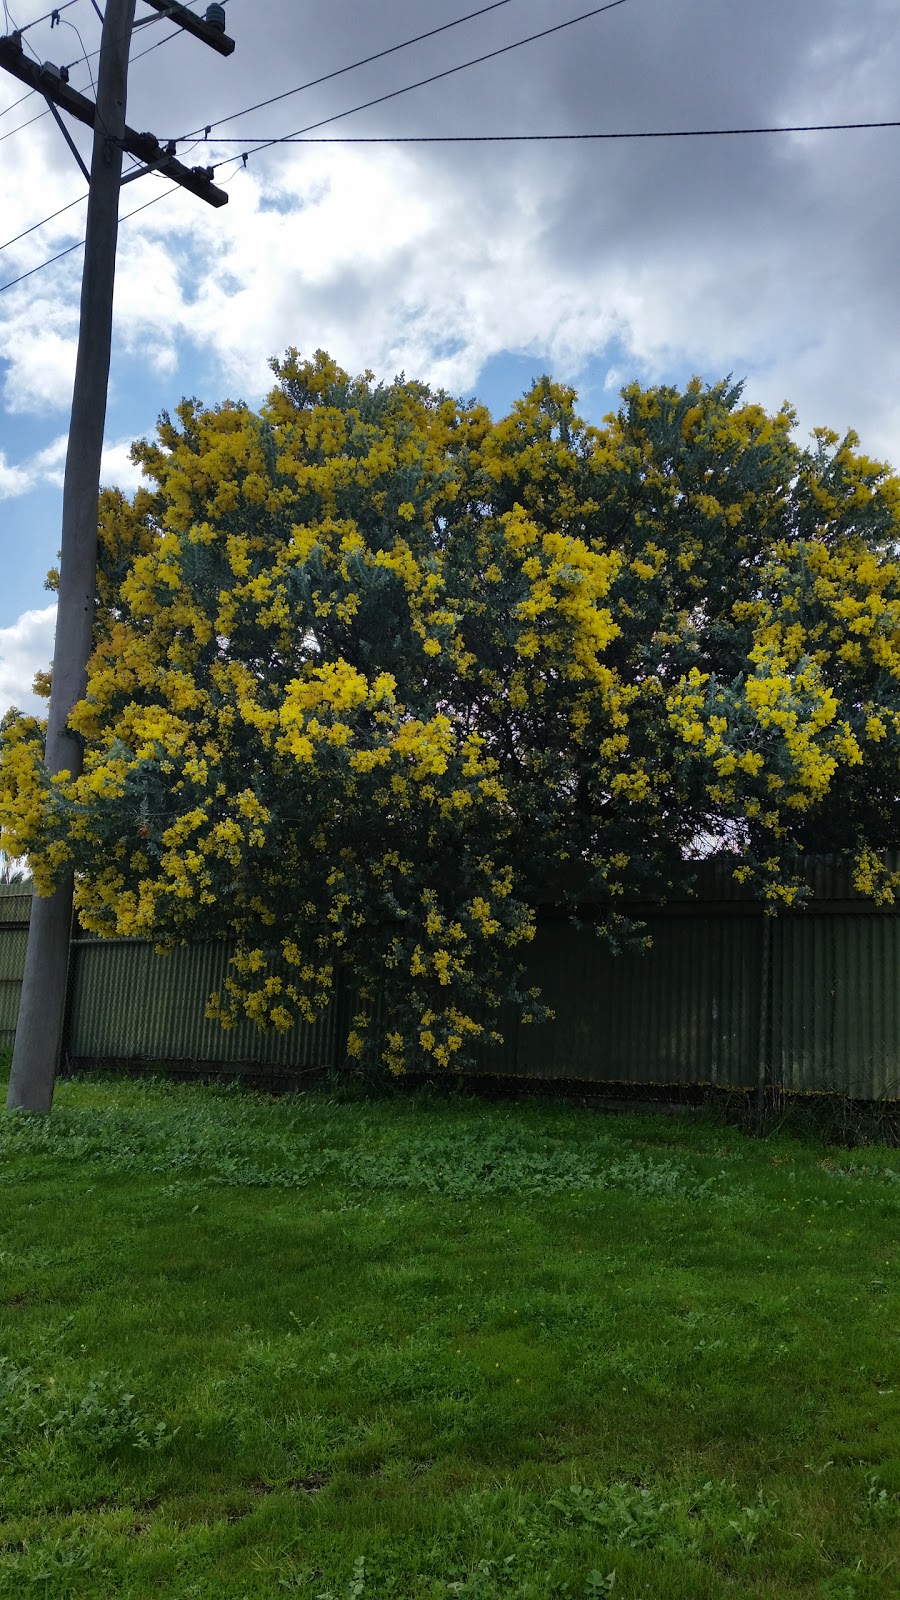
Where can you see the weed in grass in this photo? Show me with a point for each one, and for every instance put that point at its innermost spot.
(881, 1508)
(357, 1585)
(646, 1518)
(599, 1584)
(95, 1419)
(466, 1164)
(53, 1567)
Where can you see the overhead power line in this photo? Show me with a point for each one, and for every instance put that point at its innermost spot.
(434, 77)
(52, 218)
(560, 138)
(86, 58)
(48, 263)
(79, 245)
(84, 55)
(17, 103)
(302, 136)
(205, 130)
(48, 16)
(477, 138)
(312, 83)
(364, 61)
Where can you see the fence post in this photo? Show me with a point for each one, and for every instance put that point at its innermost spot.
(765, 984)
(69, 1002)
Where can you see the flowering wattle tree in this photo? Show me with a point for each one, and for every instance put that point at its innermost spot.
(373, 675)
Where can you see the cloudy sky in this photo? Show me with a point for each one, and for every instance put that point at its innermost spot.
(476, 267)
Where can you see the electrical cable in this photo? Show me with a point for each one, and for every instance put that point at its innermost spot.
(26, 96)
(49, 263)
(47, 17)
(364, 61)
(20, 125)
(52, 217)
(17, 29)
(90, 56)
(559, 138)
(206, 129)
(489, 138)
(85, 58)
(434, 77)
(240, 164)
(81, 242)
(299, 89)
(300, 136)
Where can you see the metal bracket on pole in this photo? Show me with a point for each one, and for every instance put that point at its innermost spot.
(149, 166)
(139, 172)
(67, 136)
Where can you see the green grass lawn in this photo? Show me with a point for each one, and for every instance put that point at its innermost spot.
(355, 1348)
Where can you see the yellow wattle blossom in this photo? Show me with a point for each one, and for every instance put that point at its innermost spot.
(373, 673)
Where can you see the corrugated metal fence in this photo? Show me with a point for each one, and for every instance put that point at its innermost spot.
(126, 1001)
(809, 999)
(15, 909)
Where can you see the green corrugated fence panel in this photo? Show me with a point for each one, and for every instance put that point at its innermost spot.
(15, 904)
(502, 1059)
(12, 963)
(685, 1011)
(9, 1011)
(155, 1009)
(128, 1001)
(714, 881)
(826, 878)
(836, 1004)
(13, 942)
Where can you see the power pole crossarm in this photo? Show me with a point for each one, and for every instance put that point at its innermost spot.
(49, 82)
(201, 27)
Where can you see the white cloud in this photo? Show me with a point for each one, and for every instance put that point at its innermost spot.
(41, 362)
(47, 467)
(39, 318)
(25, 647)
(13, 480)
(770, 258)
(374, 262)
(385, 267)
(43, 467)
(117, 468)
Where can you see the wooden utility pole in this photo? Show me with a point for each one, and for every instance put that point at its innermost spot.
(43, 1000)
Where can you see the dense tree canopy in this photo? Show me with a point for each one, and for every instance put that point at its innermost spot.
(374, 674)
